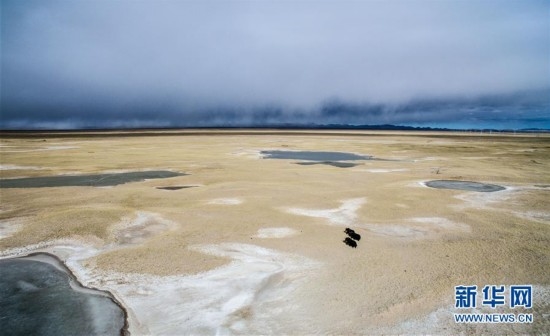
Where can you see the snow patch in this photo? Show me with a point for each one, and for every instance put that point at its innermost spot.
(277, 232)
(431, 158)
(540, 216)
(17, 167)
(226, 201)
(248, 153)
(394, 230)
(385, 170)
(344, 215)
(250, 295)
(47, 148)
(483, 200)
(418, 227)
(9, 227)
(140, 228)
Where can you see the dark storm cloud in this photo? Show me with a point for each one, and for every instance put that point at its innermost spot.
(201, 63)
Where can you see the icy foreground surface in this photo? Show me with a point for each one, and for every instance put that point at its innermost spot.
(253, 294)
(37, 298)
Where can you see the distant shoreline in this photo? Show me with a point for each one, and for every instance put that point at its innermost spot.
(262, 131)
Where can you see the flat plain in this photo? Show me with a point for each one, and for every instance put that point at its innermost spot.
(252, 245)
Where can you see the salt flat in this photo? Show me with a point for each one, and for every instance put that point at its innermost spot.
(256, 246)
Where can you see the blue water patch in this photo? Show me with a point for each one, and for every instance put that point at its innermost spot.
(464, 185)
(313, 156)
(328, 163)
(96, 180)
(175, 187)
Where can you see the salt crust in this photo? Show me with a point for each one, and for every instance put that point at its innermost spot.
(251, 294)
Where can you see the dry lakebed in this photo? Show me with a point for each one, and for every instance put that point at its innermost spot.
(242, 232)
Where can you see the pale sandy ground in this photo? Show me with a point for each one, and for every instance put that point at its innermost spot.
(256, 247)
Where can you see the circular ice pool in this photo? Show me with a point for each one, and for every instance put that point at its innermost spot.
(464, 185)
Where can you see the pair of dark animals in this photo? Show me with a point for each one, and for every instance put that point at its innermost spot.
(353, 236)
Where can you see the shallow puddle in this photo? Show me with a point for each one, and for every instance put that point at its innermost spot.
(329, 163)
(96, 180)
(464, 185)
(313, 156)
(175, 187)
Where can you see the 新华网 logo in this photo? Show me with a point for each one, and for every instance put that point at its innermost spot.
(493, 296)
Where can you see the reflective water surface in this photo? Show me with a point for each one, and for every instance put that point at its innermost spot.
(464, 185)
(96, 180)
(313, 155)
(43, 298)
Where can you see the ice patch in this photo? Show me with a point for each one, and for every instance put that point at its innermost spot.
(278, 232)
(431, 158)
(250, 295)
(419, 227)
(394, 230)
(248, 153)
(47, 148)
(9, 227)
(539, 216)
(142, 227)
(226, 201)
(483, 200)
(342, 216)
(417, 184)
(440, 224)
(17, 167)
(385, 170)
(60, 147)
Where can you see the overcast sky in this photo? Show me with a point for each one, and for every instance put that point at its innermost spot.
(100, 63)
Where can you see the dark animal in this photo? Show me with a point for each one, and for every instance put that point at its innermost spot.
(350, 242)
(355, 236)
(352, 234)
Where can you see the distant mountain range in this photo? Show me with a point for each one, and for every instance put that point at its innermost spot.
(384, 127)
(389, 127)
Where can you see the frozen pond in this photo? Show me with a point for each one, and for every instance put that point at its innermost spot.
(96, 180)
(39, 296)
(464, 185)
(175, 187)
(329, 163)
(313, 156)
